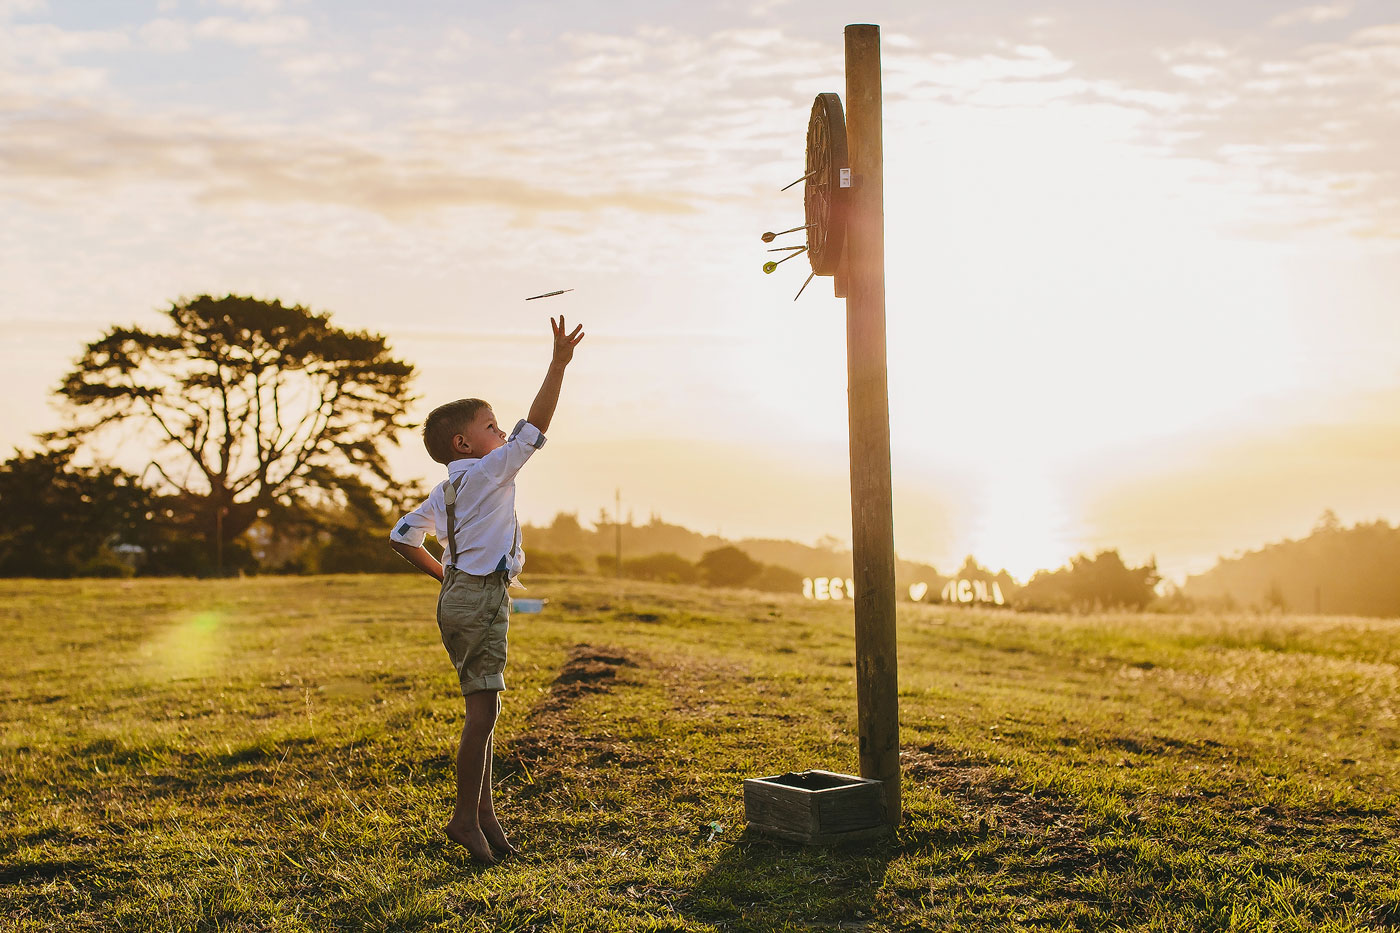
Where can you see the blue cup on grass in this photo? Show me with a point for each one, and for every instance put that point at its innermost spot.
(527, 605)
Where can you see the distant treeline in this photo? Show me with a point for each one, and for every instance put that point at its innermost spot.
(724, 566)
(672, 553)
(1335, 570)
(69, 520)
(267, 428)
(648, 549)
(66, 520)
(63, 519)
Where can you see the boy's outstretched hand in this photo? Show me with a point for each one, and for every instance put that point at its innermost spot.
(564, 342)
(542, 411)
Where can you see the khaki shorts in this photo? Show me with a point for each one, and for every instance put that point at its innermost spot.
(473, 616)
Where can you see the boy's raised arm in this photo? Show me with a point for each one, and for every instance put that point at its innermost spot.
(542, 410)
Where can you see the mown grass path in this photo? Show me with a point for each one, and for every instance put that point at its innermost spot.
(276, 754)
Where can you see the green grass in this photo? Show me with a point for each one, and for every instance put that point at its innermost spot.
(276, 754)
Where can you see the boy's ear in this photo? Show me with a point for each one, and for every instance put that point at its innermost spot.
(459, 444)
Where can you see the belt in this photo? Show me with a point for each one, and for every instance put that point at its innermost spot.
(501, 574)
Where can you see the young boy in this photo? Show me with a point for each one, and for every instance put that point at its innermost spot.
(473, 514)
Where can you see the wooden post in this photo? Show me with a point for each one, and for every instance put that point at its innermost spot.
(872, 510)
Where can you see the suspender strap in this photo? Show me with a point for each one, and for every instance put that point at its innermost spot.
(449, 495)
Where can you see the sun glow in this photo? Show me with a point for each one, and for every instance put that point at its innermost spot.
(1057, 295)
(1022, 523)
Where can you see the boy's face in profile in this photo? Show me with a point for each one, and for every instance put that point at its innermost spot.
(481, 435)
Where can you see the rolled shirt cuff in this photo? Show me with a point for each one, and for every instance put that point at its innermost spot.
(404, 533)
(527, 433)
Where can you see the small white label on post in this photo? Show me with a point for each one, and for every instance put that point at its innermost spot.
(845, 178)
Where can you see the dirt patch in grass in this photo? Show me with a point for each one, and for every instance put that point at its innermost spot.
(590, 669)
(990, 801)
(640, 617)
(555, 741)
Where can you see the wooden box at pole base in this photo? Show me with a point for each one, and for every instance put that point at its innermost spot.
(816, 807)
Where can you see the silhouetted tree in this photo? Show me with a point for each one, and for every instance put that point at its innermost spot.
(1106, 581)
(774, 579)
(1327, 523)
(567, 534)
(971, 570)
(252, 408)
(664, 567)
(544, 562)
(63, 520)
(728, 566)
(1099, 582)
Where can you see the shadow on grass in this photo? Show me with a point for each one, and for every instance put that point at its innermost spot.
(762, 885)
(34, 872)
(982, 849)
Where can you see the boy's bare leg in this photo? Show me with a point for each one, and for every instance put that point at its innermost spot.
(486, 810)
(465, 827)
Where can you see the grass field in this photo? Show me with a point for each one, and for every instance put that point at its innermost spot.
(276, 754)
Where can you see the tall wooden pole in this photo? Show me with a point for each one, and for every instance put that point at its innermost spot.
(872, 511)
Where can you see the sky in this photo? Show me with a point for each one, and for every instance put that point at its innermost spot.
(1142, 260)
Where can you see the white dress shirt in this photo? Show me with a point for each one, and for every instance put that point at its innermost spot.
(488, 533)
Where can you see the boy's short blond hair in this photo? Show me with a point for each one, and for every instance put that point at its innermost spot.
(446, 422)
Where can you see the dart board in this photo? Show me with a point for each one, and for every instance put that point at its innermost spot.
(828, 178)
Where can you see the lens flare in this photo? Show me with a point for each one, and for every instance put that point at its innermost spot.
(190, 648)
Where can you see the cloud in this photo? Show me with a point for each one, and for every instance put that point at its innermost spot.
(1321, 13)
(317, 64)
(1309, 128)
(46, 45)
(1388, 34)
(173, 35)
(94, 149)
(254, 6)
(9, 8)
(271, 30)
(165, 35)
(35, 63)
(1306, 127)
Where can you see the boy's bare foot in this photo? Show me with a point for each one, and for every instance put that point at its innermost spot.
(496, 836)
(473, 841)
